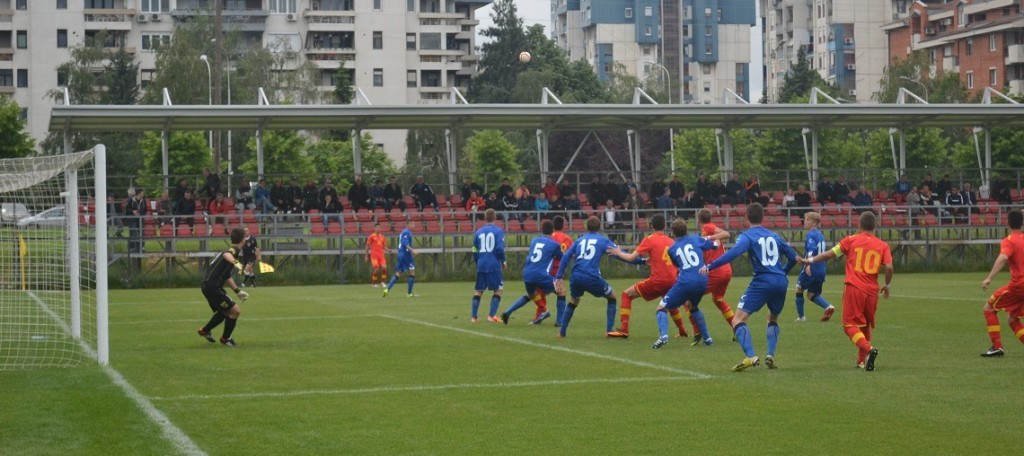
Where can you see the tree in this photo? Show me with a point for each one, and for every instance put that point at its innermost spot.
(801, 78)
(15, 142)
(283, 153)
(188, 153)
(499, 62)
(335, 157)
(492, 156)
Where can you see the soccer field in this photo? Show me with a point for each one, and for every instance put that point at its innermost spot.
(339, 370)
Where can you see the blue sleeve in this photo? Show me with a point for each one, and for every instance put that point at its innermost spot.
(566, 259)
(499, 247)
(742, 244)
(557, 249)
(790, 256)
(709, 245)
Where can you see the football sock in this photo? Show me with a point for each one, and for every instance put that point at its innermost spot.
(412, 280)
(566, 318)
(542, 304)
(613, 307)
(662, 318)
(693, 322)
(215, 320)
(858, 338)
(373, 278)
(743, 337)
(800, 305)
(821, 302)
(515, 305)
(476, 306)
(677, 318)
(1018, 328)
(495, 302)
(627, 308)
(992, 321)
(773, 337)
(229, 327)
(559, 309)
(726, 311)
(394, 279)
(702, 325)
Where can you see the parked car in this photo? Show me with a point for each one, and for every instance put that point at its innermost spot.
(10, 213)
(53, 216)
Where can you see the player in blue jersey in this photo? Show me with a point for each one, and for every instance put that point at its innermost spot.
(687, 253)
(543, 251)
(586, 253)
(405, 262)
(768, 286)
(489, 255)
(812, 277)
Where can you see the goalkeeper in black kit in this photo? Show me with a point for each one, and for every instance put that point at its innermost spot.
(224, 308)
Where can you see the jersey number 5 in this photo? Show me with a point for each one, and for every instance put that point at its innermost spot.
(538, 251)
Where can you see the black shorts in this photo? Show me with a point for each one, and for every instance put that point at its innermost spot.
(246, 259)
(218, 298)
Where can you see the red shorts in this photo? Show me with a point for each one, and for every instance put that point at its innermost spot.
(650, 289)
(859, 307)
(1010, 301)
(717, 285)
(378, 261)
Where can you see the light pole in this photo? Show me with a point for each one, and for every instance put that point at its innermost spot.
(209, 78)
(229, 131)
(671, 132)
(915, 81)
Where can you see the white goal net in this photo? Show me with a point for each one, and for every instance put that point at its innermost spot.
(52, 270)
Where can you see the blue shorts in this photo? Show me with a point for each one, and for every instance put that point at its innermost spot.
(544, 287)
(489, 281)
(593, 285)
(405, 264)
(810, 284)
(765, 289)
(680, 293)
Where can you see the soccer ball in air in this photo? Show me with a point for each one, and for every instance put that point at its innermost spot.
(525, 57)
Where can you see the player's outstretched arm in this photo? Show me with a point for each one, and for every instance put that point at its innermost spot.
(997, 266)
(742, 244)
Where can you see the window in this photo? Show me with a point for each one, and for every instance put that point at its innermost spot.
(647, 30)
(410, 78)
(376, 5)
(21, 4)
(707, 30)
(430, 41)
(970, 79)
(22, 39)
(629, 13)
(23, 78)
(378, 77)
(410, 5)
(992, 43)
(648, 11)
(277, 6)
(991, 77)
(647, 50)
(6, 78)
(23, 115)
(158, 6)
(62, 78)
(99, 4)
(62, 4)
(705, 68)
(410, 41)
(686, 30)
(151, 42)
(708, 50)
(62, 38)
(378, 40)
(970, 46)
(719, 14)
(147, 77)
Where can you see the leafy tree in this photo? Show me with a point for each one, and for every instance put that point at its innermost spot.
(283, 153)
(188, 153)
(335, 157)
(499, 63)
(343, 92)
(120, 79)
(800, 79)
(15, 142)
(623, 84)
(491, 154)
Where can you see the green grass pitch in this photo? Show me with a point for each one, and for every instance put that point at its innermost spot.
(339, 370)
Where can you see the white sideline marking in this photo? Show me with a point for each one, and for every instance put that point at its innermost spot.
(391, 389)
(171, 432)
(198, 320)
(694, 374)
(980, 299)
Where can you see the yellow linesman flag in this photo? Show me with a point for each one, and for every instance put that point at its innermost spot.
(265, 268)
(23, 246)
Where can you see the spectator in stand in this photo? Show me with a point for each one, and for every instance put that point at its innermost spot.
(825, 190)
(493, 202)
(734, 191)
(279, 196)
(263, 200)
(595, 193)
(1001, 191)
(565, 188)
(186, 211)
(802, 201)
(753, 189)
(628, 185)
(557, 205)
(627, 216)
(609, 216)
(542, 206)
(572, 206)
(218, 209)
(789, 199)
(718, 189)
(677, 187)
(862, 201)
(524, 200)
(914, 203)
(511, 207)
(944, 187)
(705, 190)
(955, 203)
(164, 211)
(902, 186)
(841, 191)
(613, 190)
(506, 185)
(658, 187)
(244, 199)
(328, 190)
(211, 184)
(295, 208)
(550, 190)
(359, 195)
(475, 203)
(178, 194)
(294, 192)
(423, 195)
(393, 195)
(634, 199)
(928, 200)
(927, 182)
(377, 194)
(114, 211)
(134, 213)
(665, 201)
(330, 209)
(468, 187)
(310, 196)
(970, 198)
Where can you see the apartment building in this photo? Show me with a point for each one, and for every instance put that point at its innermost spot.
(397, 52)
(982, 41)
(842, 39)
(704, 45)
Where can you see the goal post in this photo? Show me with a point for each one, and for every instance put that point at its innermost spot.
(53, 260)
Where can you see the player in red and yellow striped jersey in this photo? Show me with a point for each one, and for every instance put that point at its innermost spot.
(563, 240)
(718, 279)
(376, 246)
(1009, 298)
(663, 275)
(865, 255)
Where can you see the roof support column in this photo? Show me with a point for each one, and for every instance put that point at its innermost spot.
(357, 151)
(164, 139)
(633, 138)
(725, 159)
(259, 152)
(450, 148)
(542, 155)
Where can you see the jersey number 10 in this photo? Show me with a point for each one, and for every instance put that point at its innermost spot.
(866, 261)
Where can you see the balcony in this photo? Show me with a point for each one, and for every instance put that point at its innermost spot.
(1017, 86)
(6, 54)
(108, 19)
(468, 69)
(7, 90)
(325, 21)
(247, 20)
(6, 19)
(471, 22)
(1015, 54)
(951, 63)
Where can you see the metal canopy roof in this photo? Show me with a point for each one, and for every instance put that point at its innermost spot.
(107, 118)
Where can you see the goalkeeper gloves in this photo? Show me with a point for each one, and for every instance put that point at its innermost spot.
(243, 295)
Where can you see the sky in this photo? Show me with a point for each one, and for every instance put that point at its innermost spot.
(539, 12)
